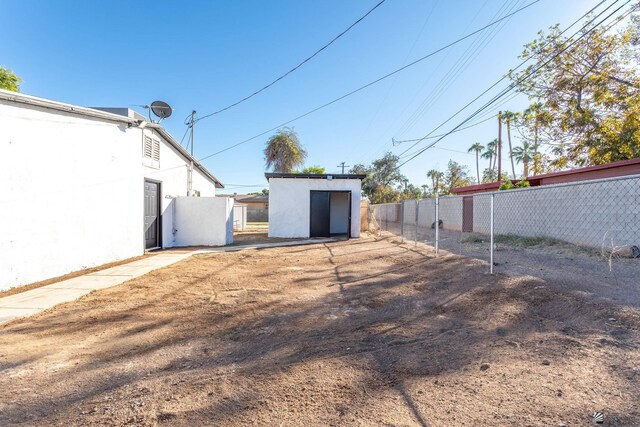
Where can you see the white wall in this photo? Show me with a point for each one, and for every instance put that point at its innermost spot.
(72, 191)
(206, 221)
(289, 204)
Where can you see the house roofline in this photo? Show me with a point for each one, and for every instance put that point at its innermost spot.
(166, 135)
(21, 98)
(611, 165)
(270, 175)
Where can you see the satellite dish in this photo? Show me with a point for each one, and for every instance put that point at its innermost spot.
(161, 109)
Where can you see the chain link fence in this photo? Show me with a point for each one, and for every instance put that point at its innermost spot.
(598, 218)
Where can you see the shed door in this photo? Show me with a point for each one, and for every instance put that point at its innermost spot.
(151, 214)
(320, 214)
(467, 214)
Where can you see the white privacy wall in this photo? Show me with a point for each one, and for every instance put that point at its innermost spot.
(204, 221)
(72, 192)
(289, 204)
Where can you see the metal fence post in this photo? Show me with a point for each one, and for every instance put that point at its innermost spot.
(402, 221)
(491, 233)
(417, 209)
(437, 224)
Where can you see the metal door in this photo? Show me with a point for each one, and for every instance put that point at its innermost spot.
(320, 214)
(467, 214)
(151, 214)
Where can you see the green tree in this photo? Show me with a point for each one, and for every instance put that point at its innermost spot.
(489, 175)
(456, 176)
(436, 178)
(8, 80)
(477, 148)
(283, 151)
(524, 154)
(384, 182)
(313, 170)
(591, 90)
(509, 117)
(411, 192)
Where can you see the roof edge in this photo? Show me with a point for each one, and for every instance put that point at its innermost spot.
(100, 114)
(166, 135)
(270, 175)
(62, 106)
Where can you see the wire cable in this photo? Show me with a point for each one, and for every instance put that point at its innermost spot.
(361, 88)
(513, 85)
(309, 58)
(517, 67)
(401, 141)
(462, 63)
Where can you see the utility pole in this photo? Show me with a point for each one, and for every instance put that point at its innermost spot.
(499, 145)
(342, 165)
(192, 124)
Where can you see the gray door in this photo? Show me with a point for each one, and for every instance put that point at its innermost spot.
(151, 214)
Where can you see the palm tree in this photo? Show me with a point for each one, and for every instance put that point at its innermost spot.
(435, 176)
(490, 153)
(284, 152)
(477, 147)
(535, 112)
(510, 117)
(425, 188)
(524, 155)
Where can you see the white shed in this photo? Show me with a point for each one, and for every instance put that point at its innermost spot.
(81, 187)
(314, 205)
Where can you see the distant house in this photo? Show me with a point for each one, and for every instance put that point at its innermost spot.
(314, 205)
(257, 206)
(80, 187)
(609, 170)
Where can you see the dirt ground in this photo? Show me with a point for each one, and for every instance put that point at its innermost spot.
(363, 332)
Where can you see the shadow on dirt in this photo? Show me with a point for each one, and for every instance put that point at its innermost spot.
(361, 331)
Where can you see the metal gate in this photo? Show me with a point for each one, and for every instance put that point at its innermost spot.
(467, 214)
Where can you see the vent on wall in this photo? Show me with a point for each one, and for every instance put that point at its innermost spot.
(151, 152)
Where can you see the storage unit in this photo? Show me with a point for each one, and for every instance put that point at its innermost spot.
(314, 205)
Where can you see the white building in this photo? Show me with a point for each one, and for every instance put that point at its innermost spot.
(81, 187)
(314, 205)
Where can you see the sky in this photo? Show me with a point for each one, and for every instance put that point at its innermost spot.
(205, 55)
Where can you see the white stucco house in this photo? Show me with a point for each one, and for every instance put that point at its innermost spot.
(314, 205)
(81, 187)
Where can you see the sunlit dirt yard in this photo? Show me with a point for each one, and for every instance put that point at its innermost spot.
(367, 332)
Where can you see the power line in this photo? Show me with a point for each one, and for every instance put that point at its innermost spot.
(309, 58)
(506, 75)
(512, 85)
(484, 118)
(361, 88)
(462, 63)
(398, 142)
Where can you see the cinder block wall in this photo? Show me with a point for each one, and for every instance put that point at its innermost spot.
(587, 213)
(451, 213)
